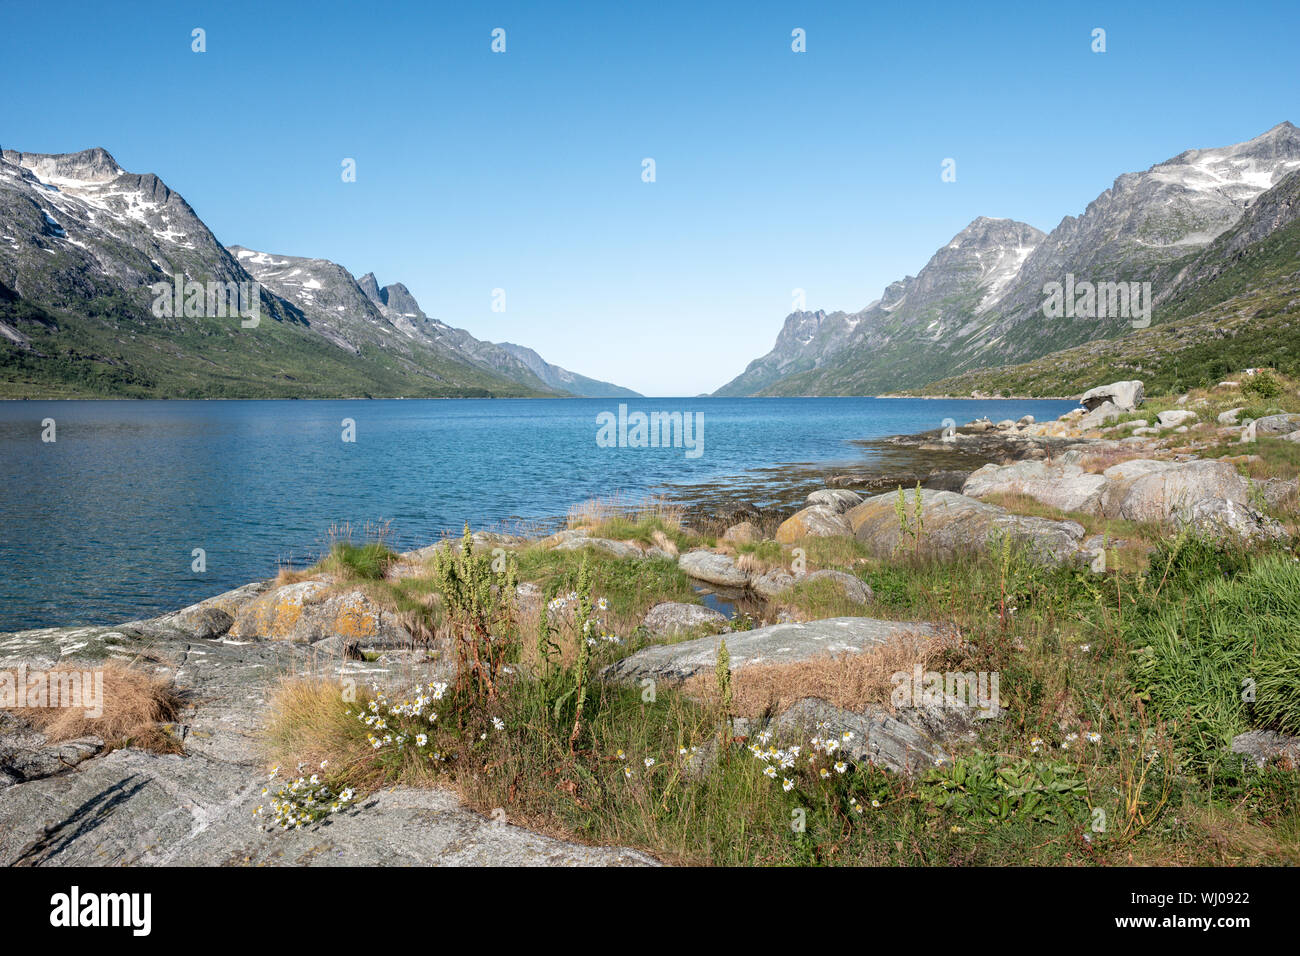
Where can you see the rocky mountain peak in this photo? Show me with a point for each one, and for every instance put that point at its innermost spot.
(398, 298)
(88, 166)
(370, 286)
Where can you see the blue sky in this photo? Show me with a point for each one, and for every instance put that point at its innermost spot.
(775, 170)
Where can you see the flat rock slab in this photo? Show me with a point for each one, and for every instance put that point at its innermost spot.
(71, 804)
(908, 742)
(775, 644)
(134, 808)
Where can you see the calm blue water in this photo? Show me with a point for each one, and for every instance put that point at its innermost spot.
(99, 526)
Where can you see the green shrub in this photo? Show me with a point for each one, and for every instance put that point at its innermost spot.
(1263, 384)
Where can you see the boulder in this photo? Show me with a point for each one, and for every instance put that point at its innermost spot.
(1276, 425)
(772, 583)
(275, 614)
(1230, 416)
(1125, 396)
(1262, 746)
(204, 621)
(955, 524)
(1173, 419)
(1103, 414)
(1146, 490)
(746, 532)
(855, 589)
(817, 521)
(1278, 492)
(713, 568)
(309, 612)
(908, 741)
(1065, 487)
(774, 644)
(1219, 519)
(838, 500)
(671, 619)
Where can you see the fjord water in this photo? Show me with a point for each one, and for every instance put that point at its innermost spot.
(100, 526)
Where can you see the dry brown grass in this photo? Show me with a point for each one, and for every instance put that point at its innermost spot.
(852, 681)
(1098, 461)
(599, 511)
(291, 575)
(136, 705)
(309, 723)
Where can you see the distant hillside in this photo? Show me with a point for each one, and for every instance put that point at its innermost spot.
(81, 244)
(1235, 305)
(978, 302)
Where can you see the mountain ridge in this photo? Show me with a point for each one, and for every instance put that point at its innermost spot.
(1134, 231)
(82, 241)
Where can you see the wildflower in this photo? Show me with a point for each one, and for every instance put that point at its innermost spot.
(620, 755)
(649, 762)
(421, 739)
(602, 604)
(875, 803)
(1085, 648)
(769, 771)
(498, 723)
(1093, 737)
(823, 773)
(840, 766)
(627, 772)
(787, 784)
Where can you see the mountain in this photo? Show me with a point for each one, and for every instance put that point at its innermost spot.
(563, 379)
(81, 244)
(1233, 305)
(979, 301)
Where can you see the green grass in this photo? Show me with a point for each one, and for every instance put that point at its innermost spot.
(357, 562)
(631, 586)
(1148, 659)
(1200, 652)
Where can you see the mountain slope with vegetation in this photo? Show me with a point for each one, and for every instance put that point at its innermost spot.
(978, 303)
(82, 243)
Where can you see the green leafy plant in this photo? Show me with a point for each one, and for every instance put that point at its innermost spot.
(480, 608)
(985, 786)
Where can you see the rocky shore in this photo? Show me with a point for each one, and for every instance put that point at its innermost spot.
(77, 802)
